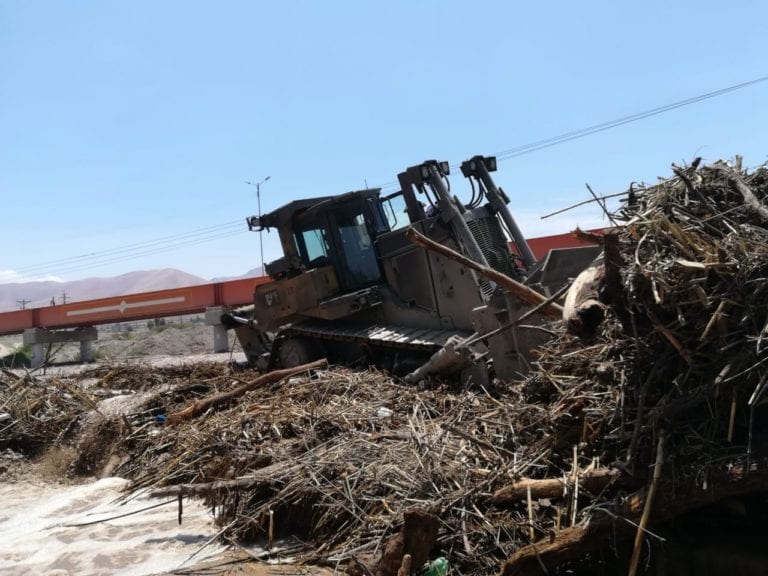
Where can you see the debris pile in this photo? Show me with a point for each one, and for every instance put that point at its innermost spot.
(653, 411)
(37, 414)
(337, 459)
(664, 397)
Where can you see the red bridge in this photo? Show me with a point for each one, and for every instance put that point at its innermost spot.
(46, 325)
(158, 304)
(39, 324)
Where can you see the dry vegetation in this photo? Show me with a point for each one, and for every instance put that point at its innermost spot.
(655, 414)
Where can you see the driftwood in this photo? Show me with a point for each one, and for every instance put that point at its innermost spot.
(405, 567)
(600, 285)
(583, 312)
(262, 477)
(593, 481)
(417, 537)
(737, 184)
(567, 545)
(588, 237)
(206, 488)
(552, 310)
(673, 499)
(201, 406)
(646, 515)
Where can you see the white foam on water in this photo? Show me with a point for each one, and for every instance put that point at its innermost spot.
(35, 538)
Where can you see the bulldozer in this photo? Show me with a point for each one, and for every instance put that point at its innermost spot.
(351, 287)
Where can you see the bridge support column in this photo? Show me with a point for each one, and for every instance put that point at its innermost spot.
(220, 333)
(37, 338)
(38, 355)
(86, 350)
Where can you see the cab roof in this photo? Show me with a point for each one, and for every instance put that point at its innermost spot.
(287, 212)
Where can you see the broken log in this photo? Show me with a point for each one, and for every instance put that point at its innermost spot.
(737, 184)
(588, 237)
(417, 537)
(672, 500)
(594, 482)
(595, 288)
(552, 310)
(567, 545)
(405, 567)
(204, 489)
(583, 312)
(267, 476)
(201, 406)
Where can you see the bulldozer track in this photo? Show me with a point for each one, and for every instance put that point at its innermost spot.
(385, 335)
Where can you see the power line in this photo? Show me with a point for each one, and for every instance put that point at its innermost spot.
(183, 243)
(603, 126)
(129, 248)
(537, 145)
(207, 234)
(75, 260)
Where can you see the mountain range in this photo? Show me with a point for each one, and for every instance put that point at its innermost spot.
(36, 294)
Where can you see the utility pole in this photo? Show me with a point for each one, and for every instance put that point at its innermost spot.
(258, 206)
(63, 297)
(23, 303)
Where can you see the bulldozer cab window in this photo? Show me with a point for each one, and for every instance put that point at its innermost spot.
(395, 211)
(379, 217)
(313, 247)
(358, 257)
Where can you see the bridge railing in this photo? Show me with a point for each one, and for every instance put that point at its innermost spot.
(129, 307)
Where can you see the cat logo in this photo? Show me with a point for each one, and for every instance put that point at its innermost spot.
(272, 298)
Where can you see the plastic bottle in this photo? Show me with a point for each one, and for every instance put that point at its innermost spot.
(438, 567)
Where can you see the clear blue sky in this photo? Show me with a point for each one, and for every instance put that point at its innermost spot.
(125, 122)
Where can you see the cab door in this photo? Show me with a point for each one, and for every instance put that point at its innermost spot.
(358, 263)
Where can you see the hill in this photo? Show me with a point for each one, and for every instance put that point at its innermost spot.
(42, 293)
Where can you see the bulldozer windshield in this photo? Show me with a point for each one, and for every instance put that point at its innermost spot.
(395, 211)
(358, 256)
(314, 242)
(339, 234)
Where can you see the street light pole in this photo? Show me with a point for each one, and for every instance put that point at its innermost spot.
(258, 206)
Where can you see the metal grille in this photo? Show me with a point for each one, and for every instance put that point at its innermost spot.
(494, 246)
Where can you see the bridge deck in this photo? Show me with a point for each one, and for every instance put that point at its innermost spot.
(177, 301)
(157, 304)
